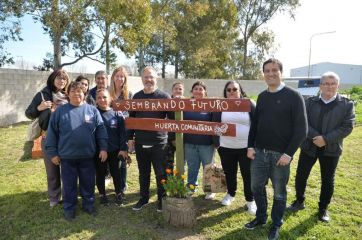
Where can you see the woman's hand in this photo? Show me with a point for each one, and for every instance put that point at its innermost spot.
(56, 160)
(103, 155)
(124, 154)
(44, 105)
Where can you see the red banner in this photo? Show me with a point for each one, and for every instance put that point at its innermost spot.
(184, 126)
(182, 104)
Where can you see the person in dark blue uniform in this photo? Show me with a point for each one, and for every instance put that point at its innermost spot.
(75, 132)
(117, 148)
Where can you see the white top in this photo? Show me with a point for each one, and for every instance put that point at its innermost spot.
(242, 122)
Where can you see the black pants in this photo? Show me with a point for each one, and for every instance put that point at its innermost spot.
(170, 156)
(115, 165)
(230, 158)
(155, 155)
(328, 167)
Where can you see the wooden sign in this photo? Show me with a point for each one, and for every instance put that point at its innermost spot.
(182, 104)
(184, 126)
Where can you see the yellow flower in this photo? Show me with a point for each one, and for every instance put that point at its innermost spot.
(183, 177)
(168, 171)
(192, 187)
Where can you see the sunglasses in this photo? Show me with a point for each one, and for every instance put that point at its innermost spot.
(232, 89)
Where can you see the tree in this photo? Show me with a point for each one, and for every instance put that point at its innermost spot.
(253, 14)
(10, 27)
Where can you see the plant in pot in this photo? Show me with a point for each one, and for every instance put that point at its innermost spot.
(178, 207)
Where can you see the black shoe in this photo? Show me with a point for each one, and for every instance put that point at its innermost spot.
(69, 215)
(251, 225)
(159, 206)
(91, 211)
(273, 233)
(296, 206)
(323, 216)
(119, 199)
(103, 199)
(140, 204)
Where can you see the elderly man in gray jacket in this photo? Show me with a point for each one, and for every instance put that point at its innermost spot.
(331, 118)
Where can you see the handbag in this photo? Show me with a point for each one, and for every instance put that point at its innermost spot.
(34, 130)
(214, 179)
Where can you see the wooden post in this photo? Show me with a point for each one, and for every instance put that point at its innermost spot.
(180, 161)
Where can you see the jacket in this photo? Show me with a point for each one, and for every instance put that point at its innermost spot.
(336, 125)
(216, 117)
(32, 112)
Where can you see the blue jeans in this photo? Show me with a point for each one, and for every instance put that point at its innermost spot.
(194, 156)
(71, 169)
(264, 167)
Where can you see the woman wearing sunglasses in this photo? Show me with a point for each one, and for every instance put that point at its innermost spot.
(233, 150)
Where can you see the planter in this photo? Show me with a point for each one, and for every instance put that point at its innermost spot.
(179, 212)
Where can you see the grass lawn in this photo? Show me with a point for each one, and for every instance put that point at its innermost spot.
(25, 211)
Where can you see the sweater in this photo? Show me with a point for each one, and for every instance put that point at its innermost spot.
(114, 122)
(280, 122)
(145, 137)
(75, 132)
(198, 139)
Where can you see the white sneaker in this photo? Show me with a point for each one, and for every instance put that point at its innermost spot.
(228, 199)
(210, 196)
(251, 207)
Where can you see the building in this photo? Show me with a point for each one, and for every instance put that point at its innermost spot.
(349, 74)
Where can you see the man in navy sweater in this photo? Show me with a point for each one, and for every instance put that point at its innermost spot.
(278, 128)
(150, 146)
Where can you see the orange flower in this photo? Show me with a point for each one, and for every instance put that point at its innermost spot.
(163, 181)
(168, 171)
(174, 172)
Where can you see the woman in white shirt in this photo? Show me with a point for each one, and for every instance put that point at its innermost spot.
(233, 150)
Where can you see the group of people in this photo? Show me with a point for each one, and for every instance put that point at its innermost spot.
(85, 137)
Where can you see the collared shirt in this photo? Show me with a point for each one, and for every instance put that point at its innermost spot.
(329, 100)
(280, 87)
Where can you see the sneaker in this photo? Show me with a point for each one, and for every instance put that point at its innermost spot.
(140, 204)
(323, 216)
(159, 206)
(69, 215)
(251, 207)
(296, 206)
(253, 224)
(119, 199)
(103, 199)
(210, 196)
(228, 199)
(273, 233)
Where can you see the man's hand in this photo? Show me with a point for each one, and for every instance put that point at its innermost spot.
(319, 141)
(284, 160)
(56, 160)
(103, 155)
(251, 153)
(124, 154)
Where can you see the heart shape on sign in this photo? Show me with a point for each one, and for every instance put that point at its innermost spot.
(237, 103)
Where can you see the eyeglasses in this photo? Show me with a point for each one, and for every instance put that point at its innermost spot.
(332, 84)
(232, 89)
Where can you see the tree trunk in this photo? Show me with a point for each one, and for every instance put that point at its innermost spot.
(176, 66)
(106, 38)
(141, 61)
(163, 56)
(57, 50)
(245, 56)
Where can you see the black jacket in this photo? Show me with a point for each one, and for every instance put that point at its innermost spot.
(336, 125)
(32, 111)
(216, 117)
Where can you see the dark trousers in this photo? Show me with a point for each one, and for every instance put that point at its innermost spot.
(53, 176)
(328, 167)
(115, 167)
(155, 155)
(230, 158)
(71, 169)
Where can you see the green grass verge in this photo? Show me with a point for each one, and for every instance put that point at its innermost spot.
(25, 211)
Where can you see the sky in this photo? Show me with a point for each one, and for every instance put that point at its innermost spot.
(292, 38)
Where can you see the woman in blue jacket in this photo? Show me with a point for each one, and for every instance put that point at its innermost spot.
(117, 148)
(75, 132)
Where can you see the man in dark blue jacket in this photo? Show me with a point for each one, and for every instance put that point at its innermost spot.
(330, 119)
